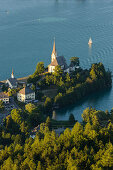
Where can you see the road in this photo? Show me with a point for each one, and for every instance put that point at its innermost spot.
(8, 107)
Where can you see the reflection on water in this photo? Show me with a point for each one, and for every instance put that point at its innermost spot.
(90, 47)
(90, 52)
(99, 100)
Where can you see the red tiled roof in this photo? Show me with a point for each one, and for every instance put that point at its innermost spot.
(26, 90)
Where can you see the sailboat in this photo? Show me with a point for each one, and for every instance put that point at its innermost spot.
(90, 41)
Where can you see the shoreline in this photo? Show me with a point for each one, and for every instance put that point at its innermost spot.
(19, 79)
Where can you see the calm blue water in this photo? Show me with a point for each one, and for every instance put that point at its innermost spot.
(27, 29)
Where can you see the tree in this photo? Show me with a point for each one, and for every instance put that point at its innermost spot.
(4, 88)
(8, 164)
(87, 114)
(39, 166)
(39, 68)
(11, 92)
(97, 71)
(58, 71)
(24, 127)
(8, 122)
(48, 123)
(30, 107)
(48, 104)
(33, 79)
(75, 61)
(68, 79)
(49, 79)
(61, 82)
(34, 119)
(58, 98)
(33, 87)
(71, 118)
(16, 116)
(93, 74)
(1, 105)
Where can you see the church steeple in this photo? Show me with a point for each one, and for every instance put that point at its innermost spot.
(54, 53)
(12, 75)
(54, 48)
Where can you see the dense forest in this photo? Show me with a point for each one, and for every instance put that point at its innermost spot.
(88, 145)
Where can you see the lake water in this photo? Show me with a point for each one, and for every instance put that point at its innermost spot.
(27, 30)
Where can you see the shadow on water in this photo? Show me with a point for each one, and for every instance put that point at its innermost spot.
(89, 101)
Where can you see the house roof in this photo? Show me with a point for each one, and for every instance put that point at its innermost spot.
(60, 60)
(26, 90)
(13, 81)
(3, 95)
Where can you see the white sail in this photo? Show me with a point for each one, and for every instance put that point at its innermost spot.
(90, 41)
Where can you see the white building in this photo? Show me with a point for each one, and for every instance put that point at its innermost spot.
(12, 82)
(57, 60)
(26, 95)
(4, 97)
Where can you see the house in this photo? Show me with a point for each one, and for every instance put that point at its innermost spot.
(4, 97)
(72, 67)
(57, 60)
(26, 95)
(74, 64)
(12, 82)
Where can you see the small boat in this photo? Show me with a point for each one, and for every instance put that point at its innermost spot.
(90, 41)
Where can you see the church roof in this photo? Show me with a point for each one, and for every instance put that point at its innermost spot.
(60, 60)
(26, 90)
(13, 81)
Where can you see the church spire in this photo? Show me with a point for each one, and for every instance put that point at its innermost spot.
(12, 75)
(54, 48)
(54, 53)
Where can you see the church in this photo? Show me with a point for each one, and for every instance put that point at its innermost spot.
(57, 60)
(12, 82)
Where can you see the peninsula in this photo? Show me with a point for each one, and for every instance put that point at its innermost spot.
(30, 139)
(55, 86)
